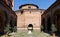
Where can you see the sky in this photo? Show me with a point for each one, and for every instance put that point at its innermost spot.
(42, 4)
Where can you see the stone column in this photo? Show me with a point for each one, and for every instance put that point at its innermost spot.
(13, 4)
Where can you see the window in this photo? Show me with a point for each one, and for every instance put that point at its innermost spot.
(29, 7)
(21, 12)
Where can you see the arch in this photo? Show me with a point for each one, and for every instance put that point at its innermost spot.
(49, 24)
(30, 25)
(2, 22)
(57, 19)
(11, 23)
(5, 15)
(1, 25)
(43, 24)
(56, 11)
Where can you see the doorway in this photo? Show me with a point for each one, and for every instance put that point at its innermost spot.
(48, 24)
(1, 25)
(30, 27)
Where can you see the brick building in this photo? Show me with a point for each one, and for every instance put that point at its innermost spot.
(52, 16)
(7, 15)
(29, 14)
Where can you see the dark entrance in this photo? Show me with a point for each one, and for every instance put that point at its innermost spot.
(30, 27)
(48, 24)
(43, 24)
(1, 25)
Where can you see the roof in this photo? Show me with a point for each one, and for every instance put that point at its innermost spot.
(28, 4)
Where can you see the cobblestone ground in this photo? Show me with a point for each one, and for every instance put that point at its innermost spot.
(25, 34)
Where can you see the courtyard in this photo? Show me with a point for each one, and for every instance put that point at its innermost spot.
(25, 34)
(40, 15)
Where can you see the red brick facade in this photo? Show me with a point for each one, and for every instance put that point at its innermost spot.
(29, 14)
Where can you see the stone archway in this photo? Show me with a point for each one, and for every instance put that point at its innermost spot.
(48, 24)
(30, 26)
(57, 19)
(1, 25)
(11, 23)
(2, 22)
(43, 24)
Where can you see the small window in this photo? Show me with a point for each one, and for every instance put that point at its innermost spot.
(29, 7)
(21, 12)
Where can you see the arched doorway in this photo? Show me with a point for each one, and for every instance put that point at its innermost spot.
(48, 24)
(43, 24)
(30, 27)
(57, 19)
(1, 24)
(11, 24)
